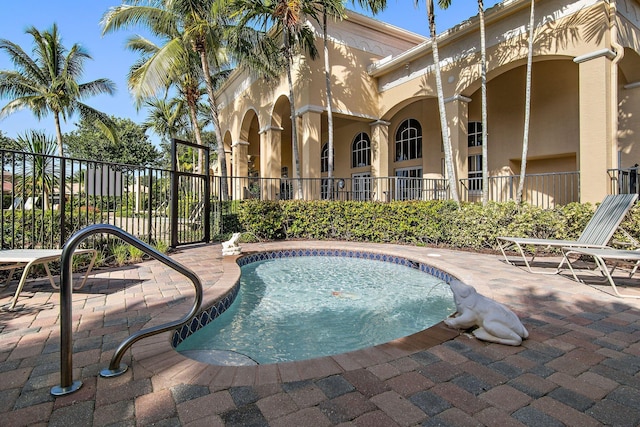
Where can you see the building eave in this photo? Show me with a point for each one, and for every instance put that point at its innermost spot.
(495, 13)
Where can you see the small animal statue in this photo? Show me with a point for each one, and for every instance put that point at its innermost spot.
(495, 322)
(230, 247)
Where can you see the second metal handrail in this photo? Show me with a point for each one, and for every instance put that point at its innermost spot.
(67, 385)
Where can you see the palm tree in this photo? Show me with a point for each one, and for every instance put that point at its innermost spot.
(48, 83)
(444, 4)
(448, 155)
(527, 105)
(335, 8)
(288, 18)
(154, 73)
(39, 177)
(166, 117)
(483, 90)
(192, 24)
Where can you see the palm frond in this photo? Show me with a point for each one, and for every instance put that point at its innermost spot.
(21, 60)
(96, 87)
(99, 120)
(155, 19)
(159, 70)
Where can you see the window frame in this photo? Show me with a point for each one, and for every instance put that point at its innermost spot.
(474, 134)
(474, 174)
(408, 140)
(361, 150)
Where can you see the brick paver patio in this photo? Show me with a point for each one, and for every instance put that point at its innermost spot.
(579, 366)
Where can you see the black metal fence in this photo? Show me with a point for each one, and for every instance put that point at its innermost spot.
(46, 198)
(362, 189)
(624, 181)
(545, 190)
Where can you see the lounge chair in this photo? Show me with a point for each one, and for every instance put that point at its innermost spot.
(596, 234)
(12, 259)
(600, 256)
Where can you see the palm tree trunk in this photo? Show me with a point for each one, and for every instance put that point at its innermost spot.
(193, 116)
(527, 106)
(327, 75)
(196, 131)
(448, 155)
(213, 105)
(56, 116)
(483, 72)
(294, 126)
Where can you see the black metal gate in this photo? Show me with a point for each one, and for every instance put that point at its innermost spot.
(190, 199)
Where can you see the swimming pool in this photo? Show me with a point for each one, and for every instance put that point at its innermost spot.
(300, 305)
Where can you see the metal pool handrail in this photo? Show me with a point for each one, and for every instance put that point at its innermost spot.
(67, 385)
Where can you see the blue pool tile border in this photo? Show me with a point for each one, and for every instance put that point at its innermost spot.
(205, 317)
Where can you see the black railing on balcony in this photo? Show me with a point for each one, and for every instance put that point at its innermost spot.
(546, 190)
(624, 181)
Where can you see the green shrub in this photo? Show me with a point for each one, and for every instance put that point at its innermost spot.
(161, 246)
(120, 253)
(468, 226)
(135, 254)
(263, 219)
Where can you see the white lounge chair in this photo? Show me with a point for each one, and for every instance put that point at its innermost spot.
(596, 234)
(600, 256)
(12, 259)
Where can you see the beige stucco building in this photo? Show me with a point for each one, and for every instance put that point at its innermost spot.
(585, 105)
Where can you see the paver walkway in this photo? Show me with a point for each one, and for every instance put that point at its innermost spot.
(579, 367)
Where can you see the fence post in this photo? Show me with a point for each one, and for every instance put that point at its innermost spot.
(62, 204)
(174, 194)
(150, 205)
(207, 200)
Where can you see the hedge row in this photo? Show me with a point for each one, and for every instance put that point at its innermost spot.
(470, 226)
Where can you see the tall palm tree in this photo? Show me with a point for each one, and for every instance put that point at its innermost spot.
(196, 25)
(289, 20)
(448, 154)
(48, 82)
(527, 105)
(154, 73)
(483, 90)
(334, 8)
(199, 26)
(444, 4)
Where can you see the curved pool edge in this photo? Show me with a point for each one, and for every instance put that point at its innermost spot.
(209, 314)
(159, 357)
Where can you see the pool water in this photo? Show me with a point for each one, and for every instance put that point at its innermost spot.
(305, 307)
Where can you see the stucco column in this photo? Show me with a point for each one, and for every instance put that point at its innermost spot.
(596, 141)
(310, 132)
(241, 168)
(380, 158)
(270, 149)
(457, 110)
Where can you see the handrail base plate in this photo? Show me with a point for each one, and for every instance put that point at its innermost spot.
(63, 391)
(109, 373)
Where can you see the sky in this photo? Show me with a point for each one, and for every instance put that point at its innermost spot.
(79, 22)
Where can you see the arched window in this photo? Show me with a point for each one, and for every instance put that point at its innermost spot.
(409, 140)
(324, 159)
(361, 151)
